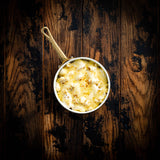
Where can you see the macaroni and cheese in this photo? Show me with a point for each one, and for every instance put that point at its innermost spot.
(82, 85)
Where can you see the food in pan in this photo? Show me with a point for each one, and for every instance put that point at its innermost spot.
(81, 85)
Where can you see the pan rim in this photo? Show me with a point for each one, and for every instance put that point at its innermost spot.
(84, 58)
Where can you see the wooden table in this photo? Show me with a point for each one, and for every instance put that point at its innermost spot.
(123, 35)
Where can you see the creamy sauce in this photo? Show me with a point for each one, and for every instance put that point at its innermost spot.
(82, 85)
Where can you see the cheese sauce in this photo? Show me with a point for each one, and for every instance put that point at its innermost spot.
(82, 85)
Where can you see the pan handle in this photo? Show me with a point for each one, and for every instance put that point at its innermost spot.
(46, 32)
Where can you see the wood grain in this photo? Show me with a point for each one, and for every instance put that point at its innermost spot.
(101, 38)
(23, 75)
(62, 130)
(2, 85)
(123, 36)
(138, 77)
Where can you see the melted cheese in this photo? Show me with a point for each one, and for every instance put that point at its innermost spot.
(82, 85)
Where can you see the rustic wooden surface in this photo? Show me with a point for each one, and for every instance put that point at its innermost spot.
(123, 35)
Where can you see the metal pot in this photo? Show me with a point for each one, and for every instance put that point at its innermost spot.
(65, 60)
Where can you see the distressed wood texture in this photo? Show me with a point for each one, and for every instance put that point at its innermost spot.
(139, 77)
(62, 130)
(101, 38)
(2, 85)
(123, 35)
(22, 80)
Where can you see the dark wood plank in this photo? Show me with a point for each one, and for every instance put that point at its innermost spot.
(23, 73)
(123, 36)
(2, 85)
(2, 111)
(139, 75)
(101, 39)
(62, 130)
